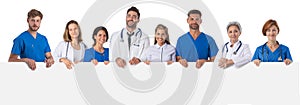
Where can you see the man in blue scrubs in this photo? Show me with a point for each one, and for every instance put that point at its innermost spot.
(30, 45)
(195, 46)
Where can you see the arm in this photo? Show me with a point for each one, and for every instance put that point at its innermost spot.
(58, 53)
(30, 62)
(243, 58)
(15, 52)
(49, 60)
(288, 60)
(213, 48)
(255, 58)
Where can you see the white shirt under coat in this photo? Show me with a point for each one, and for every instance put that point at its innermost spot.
(119, 46)
(61, 51)
(157, 53)
(242, 56)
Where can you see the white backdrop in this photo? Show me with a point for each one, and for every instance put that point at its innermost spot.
(250, 13)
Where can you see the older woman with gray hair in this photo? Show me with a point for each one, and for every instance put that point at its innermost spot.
(234, 52)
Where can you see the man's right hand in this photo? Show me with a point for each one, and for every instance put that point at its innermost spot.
(183, 62)
(121, 62)
(30, 63)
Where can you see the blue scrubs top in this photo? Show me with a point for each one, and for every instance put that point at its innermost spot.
(26, 46)
(264, 54)
(192, 50)
(91, 54)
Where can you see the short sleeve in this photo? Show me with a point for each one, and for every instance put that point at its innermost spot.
(17, 46)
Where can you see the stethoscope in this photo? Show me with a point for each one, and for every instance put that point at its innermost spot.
(138, 32)
(235, 52)
(267, 54)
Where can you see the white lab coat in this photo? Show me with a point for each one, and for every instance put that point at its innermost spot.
(61, 49)
(119, 46)
(242, 57)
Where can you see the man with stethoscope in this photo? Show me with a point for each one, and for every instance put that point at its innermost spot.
(129, 43)
(234, 52)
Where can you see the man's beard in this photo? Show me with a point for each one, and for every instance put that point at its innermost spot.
(132, 25)
(194, 28)
(33, 28)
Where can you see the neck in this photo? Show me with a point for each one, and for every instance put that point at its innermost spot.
(194, 33)
(74, 42)
(160, 44)
(130, 29)
(272, 42)
(33, 33)
(233, 41)
(98, 46)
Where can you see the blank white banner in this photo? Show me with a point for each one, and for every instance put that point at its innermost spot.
(154, 84)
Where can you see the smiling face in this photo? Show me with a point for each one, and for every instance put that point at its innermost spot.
(132, 19)
(272, 32)
(194, 21)
(73, 30)
(160, 36)
(233, 33)
(100, 37)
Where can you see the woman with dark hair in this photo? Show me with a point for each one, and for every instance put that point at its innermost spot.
(98, 53)
(272, 51)
(72, 48)
(162, 50)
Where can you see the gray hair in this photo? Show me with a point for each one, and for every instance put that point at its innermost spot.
(234, 23)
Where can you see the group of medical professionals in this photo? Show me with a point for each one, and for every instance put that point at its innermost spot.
(131, 45)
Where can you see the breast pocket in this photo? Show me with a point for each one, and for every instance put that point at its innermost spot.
(135, 50)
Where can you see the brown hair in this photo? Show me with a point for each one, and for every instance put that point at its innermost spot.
(66, 36)
(269, 24)
(34, 13)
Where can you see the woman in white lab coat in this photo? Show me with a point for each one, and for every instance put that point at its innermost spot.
(71, 50)
(162, 50)
(235, 52)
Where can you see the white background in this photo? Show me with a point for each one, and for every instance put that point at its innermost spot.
(252, 14)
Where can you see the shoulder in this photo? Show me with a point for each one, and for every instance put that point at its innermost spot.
(184, 36)
(62, 43)
(40, 35)
(260, 47)
(89, 49)
(22, 35)
(115, 35)
(209, 37)
(170, 46)
(284, 46)
(83, 45)
(245, 45)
